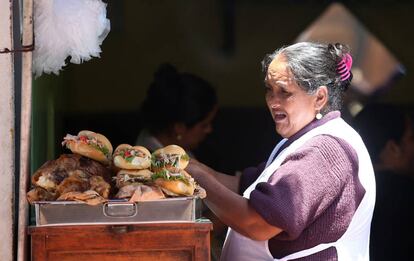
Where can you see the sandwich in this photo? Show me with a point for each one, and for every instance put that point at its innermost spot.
(126, 177)
(90, 144)
(132, 157)
(168, 165)
(134, 177)
(172, 158)
(174, 183)
(137, 185)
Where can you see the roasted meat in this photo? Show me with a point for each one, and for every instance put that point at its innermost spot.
(70, 173)
(90, 197)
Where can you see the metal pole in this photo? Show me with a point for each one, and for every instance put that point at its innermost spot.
(26, 112)
(7, 132)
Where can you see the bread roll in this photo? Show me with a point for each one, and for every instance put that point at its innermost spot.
(132, 157)
(90, 144)
(126, 177)
(171, 157)
(175, 184)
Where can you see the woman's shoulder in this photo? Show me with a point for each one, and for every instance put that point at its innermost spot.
(331, 145)
(331, 151)
(328, 152)
(146, 139)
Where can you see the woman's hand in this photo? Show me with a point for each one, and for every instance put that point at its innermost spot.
(199, 171)
(232, 209)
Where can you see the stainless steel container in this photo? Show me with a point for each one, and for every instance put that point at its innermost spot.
(55, 213)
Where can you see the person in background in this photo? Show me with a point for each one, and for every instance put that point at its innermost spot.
(388, 132)
(314, 197)
(179, 109)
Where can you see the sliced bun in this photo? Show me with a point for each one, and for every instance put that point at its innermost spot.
(168, 155)
(177, 187)
(127, 177)
(100, 137)
(87, 150)
(141, 159)
(172, 149)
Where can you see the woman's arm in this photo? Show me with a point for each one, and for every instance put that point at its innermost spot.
(232, 182)
(232, 209)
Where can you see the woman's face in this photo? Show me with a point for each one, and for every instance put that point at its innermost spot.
(291, 107)
(193, 136)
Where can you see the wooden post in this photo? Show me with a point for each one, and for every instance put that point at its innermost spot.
(25, 126)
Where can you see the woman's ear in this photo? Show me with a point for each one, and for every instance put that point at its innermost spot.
(321, 98)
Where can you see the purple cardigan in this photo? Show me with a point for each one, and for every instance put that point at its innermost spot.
(312, 196)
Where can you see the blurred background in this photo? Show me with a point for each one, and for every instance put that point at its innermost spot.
(222, 41)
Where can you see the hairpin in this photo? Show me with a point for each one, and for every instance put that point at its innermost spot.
(344, 67)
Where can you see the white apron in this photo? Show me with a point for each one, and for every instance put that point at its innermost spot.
(354, 243)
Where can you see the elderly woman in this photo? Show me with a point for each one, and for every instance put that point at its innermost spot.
(314, 197)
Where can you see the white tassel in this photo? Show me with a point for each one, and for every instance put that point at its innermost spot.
(64, 28)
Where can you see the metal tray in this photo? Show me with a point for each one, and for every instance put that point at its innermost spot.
(60, 213)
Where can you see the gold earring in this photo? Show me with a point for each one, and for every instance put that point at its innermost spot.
(318, 116)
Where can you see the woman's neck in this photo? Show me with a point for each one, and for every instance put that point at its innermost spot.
(166, 139)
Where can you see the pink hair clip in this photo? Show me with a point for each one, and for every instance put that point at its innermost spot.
(344, 67)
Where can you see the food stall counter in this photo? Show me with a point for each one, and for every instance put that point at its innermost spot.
(147, 241)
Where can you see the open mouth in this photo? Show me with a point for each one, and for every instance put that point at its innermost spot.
(279, 116)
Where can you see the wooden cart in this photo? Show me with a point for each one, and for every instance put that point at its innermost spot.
(144, 242)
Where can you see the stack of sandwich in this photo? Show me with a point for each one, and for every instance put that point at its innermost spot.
(133, 179)
(168, 165)
(144, 176)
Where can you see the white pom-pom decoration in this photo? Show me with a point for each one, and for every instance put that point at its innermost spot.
(64, 28)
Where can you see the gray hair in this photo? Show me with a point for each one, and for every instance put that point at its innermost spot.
(314, 65)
